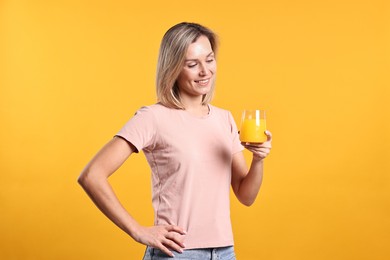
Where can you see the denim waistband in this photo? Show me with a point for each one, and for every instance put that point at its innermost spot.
(220, 253)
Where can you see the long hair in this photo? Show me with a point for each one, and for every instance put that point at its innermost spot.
(171, 59)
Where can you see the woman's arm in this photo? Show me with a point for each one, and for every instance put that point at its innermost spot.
(246, 184)
(94, 180)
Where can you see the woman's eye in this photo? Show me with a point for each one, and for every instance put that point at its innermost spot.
(191, 65)
(210, 60)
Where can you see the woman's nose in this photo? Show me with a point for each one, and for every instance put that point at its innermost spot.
(204, 70)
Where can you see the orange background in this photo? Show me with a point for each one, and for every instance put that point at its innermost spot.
(73, 72)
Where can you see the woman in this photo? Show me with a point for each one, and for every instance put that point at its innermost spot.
(194, 153)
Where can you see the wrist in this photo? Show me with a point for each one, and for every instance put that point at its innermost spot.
(257, 159)
(133, 229)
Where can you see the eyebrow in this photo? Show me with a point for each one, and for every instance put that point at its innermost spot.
(208, 55)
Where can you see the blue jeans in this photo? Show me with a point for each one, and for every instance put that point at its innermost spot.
(219, 253)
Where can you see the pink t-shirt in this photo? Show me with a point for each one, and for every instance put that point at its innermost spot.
(190, 158)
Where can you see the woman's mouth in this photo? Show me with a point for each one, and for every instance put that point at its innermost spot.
(202, 82)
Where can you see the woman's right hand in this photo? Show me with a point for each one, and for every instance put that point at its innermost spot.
(164, 238)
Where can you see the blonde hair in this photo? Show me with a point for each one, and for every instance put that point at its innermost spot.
(171, 59)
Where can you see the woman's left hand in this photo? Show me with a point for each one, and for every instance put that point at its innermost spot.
(260, 150)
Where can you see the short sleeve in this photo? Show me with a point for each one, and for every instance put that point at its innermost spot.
(140, 130)
(236, 144)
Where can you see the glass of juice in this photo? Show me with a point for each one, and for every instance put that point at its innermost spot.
(253, 126)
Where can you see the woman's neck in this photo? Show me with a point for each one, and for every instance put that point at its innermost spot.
(195, 106)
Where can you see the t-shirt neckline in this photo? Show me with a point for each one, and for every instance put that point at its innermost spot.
(200, 117)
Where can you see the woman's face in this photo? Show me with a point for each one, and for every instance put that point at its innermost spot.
(198, 73)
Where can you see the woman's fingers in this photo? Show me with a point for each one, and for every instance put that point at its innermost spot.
(260, 150)
(176, 238)
(172, 244)
(165, 238)
(165, 250)
(269, 135)
(176, 229)
(254, 146)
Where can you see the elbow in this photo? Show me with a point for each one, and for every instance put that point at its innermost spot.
(247, 202)
(83, 178)
(245, 198)
(90, 178)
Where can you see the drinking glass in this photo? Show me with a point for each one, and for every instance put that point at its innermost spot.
(253, 126)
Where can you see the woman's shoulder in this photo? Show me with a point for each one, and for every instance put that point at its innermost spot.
(152, 108)
(157, 109)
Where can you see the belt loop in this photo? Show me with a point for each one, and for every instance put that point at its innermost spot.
(214, 254)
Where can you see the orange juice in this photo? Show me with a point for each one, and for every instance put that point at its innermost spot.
(252, 131)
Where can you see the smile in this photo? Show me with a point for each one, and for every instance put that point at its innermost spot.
(203, 82)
